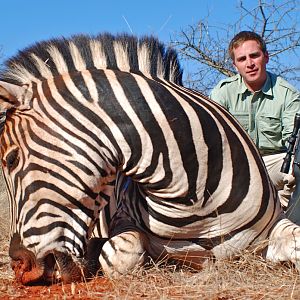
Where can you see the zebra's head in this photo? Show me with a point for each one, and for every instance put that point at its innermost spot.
(54, 187)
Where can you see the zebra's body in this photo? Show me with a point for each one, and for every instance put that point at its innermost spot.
(84, 110)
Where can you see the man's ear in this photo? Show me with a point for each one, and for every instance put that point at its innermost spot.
(266, 56)
(235, 66)
(14, 96)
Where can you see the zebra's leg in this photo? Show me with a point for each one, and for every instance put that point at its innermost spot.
(284, 243)
(125, 251)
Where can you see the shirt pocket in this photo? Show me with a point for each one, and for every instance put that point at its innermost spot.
(269, 125)
(270, 129)
(243, 119)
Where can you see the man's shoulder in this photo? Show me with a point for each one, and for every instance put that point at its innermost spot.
(225, 87)
(227, 82)
(282, 83)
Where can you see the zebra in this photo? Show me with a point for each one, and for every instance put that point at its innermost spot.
(104, 121)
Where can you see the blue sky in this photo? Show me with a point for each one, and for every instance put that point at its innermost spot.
(24, 22)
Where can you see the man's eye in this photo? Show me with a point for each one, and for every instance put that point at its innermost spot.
(255, 55)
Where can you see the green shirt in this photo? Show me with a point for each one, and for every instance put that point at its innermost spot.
(267, 115)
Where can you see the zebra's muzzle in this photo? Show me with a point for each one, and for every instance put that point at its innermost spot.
(23, 262)
(56, 266)
(46, 271)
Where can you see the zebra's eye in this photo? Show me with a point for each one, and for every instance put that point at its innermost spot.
(12, 159)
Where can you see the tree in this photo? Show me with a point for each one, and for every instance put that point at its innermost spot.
(207, 43)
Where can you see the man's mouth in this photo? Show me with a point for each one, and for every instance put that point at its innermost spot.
(252, 72)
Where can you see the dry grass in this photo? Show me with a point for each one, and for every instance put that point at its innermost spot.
(250, 277)
(5, 271)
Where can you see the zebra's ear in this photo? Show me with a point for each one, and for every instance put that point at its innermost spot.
(14, 96)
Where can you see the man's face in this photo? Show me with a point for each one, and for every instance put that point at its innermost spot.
(250, 61)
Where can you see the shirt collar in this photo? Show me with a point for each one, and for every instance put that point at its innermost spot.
(268, 86)
(266, 89)
(242, 88)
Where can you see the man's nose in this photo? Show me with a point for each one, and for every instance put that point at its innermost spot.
(250, 62)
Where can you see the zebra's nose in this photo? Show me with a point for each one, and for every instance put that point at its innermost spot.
(29, 270)
(25, 272)
(23, 262)
(54, 266)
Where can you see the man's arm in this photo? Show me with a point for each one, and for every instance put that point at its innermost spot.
(291, 107)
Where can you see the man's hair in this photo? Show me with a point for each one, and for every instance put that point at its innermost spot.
(243, 36)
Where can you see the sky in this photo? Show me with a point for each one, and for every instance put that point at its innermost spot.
(24, 22)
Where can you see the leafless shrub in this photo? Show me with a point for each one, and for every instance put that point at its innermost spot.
(206, 44)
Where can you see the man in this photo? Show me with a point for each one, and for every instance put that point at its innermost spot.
(263, 103)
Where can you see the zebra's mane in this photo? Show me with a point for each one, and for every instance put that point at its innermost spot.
(123, 52)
